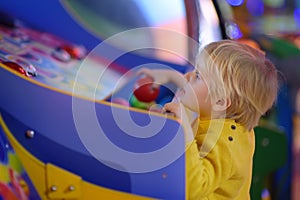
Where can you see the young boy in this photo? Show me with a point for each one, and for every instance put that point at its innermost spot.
(232, 86)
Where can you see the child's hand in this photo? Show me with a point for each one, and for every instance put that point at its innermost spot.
(178, 110)
(173, 109)
(163, 76)
(159, 76)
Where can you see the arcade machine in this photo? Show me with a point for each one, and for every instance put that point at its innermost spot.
(74, 124)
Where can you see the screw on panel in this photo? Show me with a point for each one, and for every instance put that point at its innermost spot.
(71, 188)
(53, 188)
(30, 134)
(164, 175)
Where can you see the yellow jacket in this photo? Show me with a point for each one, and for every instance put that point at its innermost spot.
(219, 161)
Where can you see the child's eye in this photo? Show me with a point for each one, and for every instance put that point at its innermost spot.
(197, 75)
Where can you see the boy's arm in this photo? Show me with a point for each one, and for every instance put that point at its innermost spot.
(205, 175)
(163, 76)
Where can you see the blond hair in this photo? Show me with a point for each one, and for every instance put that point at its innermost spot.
(242, 74)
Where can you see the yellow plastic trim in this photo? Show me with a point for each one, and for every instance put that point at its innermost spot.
(62, 184)
(45, 176)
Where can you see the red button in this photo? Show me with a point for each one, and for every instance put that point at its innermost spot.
(77, 52)
(15, 67)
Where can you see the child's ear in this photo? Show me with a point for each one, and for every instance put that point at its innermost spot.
(221, 104)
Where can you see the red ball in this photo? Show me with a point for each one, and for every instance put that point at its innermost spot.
(144, 91)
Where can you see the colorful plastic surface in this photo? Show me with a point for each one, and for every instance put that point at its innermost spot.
(51, 122)
(14, 181)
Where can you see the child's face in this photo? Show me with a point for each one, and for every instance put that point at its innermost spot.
(194, 95)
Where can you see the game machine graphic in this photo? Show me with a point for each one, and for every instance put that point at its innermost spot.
(76, 120)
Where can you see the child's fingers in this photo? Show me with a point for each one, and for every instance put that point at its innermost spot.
(150, 73)
(144, 71)
(172, 107)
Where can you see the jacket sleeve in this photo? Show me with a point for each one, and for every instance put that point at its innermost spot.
(205, 174)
